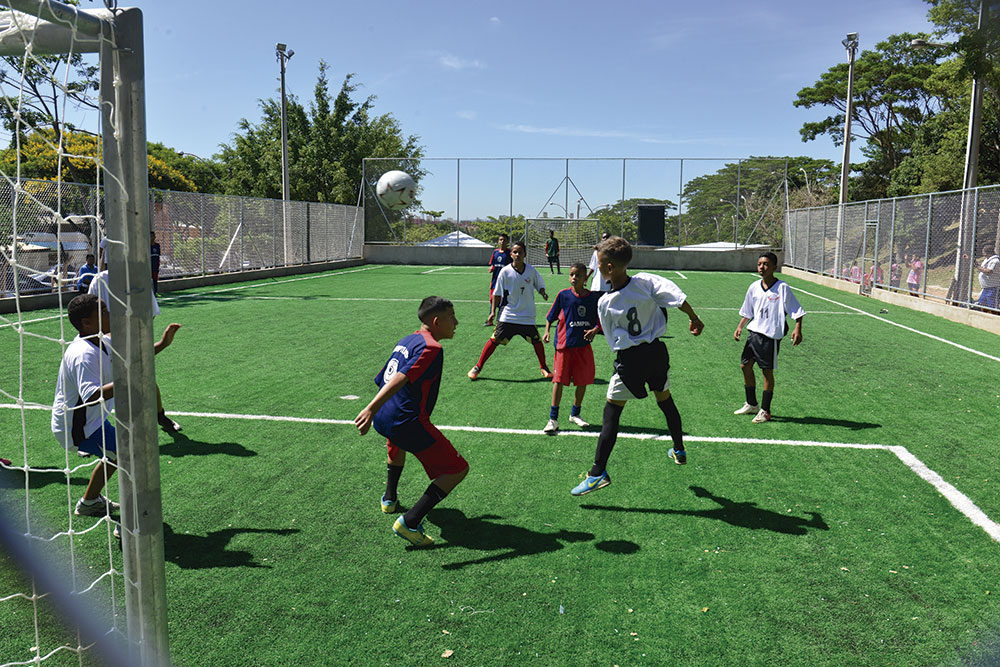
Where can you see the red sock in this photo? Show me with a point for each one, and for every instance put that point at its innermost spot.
(488, 349)
(540, 353)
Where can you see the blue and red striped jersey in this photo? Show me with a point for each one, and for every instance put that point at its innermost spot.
(498, 260)
(575, 314)
(421, 358)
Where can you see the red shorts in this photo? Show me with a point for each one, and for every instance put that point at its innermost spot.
(438, 459)
(574, 365)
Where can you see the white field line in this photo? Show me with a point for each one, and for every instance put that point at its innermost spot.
(681, 275)
(443, 268)
(901, 326)
(958, 500)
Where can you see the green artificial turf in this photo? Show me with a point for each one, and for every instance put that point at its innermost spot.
(753, 553)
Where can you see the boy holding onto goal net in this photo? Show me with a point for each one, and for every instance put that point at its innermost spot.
(79, 420)
(401, 411)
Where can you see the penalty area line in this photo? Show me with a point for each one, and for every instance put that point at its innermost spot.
(956, 498)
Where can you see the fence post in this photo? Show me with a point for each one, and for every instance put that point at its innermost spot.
(971, 250)
(201, 200)
(892, 240)
(308, 229)
(927, 245)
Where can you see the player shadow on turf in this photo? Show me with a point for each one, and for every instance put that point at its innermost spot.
(824, 421)
(196, 552)
(483, 534)
(739, 514)
(182, 445)
(14, 479)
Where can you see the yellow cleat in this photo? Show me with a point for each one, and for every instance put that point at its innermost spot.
(417, 538)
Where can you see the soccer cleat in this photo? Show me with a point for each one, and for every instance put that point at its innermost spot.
(762, 416)
(473, 373)
(591, 484)
(168, 424)
(417, 538)
(680, 457)
(551, 427)
(747, 409)
(100, 507)
(388, 506)
(5, 462)
(488, 323)
(546, 373)
(579, 422)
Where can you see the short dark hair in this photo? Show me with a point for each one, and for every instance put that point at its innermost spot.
(774, 258)
(519, 243)
(90, 255)
(81, 307)
(504, 236)
(432, 306)
(579, 266)
(617, 249)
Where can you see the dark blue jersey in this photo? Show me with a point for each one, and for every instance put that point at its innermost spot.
(154, 257)
(498, 260)
(421, 358)
(575, 315)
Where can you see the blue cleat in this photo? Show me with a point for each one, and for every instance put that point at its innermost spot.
(388, 506)
(591, 484)
(417, 538)
(680, 457)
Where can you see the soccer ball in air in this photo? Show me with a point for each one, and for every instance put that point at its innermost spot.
(395, 189)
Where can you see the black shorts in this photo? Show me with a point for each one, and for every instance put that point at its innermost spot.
(505, 331)
(639, 366)
(762, 350)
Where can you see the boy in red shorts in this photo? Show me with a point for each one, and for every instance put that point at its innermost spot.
(401, 412)
(575, 311)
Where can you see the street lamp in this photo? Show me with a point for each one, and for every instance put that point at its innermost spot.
(851, 44)
(211, 167)
(565, 212)
(807, 185)
(284, 54)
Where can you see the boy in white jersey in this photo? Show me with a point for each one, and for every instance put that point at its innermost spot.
(79, 419)
(514, 297)
(632, 318)
(767, 302)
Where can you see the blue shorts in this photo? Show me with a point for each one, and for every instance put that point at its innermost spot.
(990, 298)
(100, 441)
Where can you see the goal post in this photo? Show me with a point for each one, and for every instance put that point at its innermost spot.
(35, 27)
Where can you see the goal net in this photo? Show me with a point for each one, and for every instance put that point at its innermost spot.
(73, 120)
(576, 239)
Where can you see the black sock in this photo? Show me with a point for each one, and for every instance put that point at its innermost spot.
(432, 496)
(392, 482)
(669, 411)
(766, 403)
(751, 391)
(606, 441)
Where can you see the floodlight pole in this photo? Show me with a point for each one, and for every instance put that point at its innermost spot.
(284, 55)
(851, 44)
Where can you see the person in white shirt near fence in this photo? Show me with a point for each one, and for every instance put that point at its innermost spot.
(765, 306)
(989, 280)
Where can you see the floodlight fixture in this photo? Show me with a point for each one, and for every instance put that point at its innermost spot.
(281, 47)
(923, 44)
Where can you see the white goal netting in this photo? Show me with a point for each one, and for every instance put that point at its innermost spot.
(72, 184)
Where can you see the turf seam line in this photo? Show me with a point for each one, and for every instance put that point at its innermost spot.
(901, 326)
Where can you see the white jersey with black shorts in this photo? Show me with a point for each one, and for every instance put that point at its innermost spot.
(633, 319)
(517, 303)
(766, 309)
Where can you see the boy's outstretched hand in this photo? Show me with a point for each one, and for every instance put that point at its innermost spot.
(364, 420)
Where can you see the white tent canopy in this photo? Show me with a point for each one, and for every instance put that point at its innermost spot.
(458, 239)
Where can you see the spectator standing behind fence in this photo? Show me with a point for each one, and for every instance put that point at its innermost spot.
(86, 274)
(989, 280)
(855, 273)
(916, 271)
(154, 260)
(895, 272)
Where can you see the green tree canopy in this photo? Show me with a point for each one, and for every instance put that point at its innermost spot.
(327, 143)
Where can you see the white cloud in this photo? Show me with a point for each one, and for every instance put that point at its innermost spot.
(466, 115)
(494, 20)
(601, 134)
(450, 61)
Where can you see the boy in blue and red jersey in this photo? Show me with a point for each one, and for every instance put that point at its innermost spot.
(499, 259)
(575, 310)
(401, 411)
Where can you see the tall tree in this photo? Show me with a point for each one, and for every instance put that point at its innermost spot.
(890, 103)
(326, 146)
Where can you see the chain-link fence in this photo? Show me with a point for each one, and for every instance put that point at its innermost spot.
(198, 233)
(930, 246)
(467, 201)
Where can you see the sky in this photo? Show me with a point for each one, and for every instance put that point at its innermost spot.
(638, 79)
